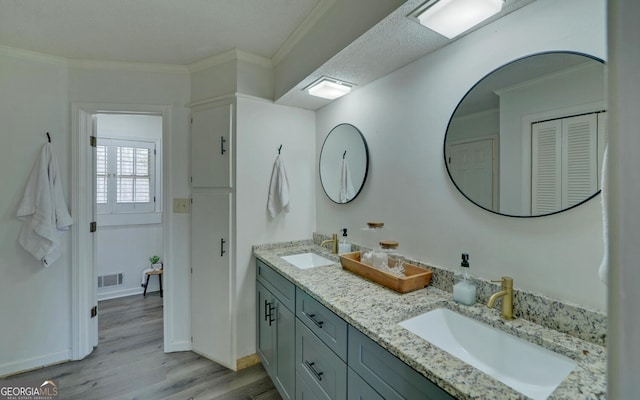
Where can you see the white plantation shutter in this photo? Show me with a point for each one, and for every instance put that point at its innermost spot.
(546, 174)
(579, 159)
(125, 176)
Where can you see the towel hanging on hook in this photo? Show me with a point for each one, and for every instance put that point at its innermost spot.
(48, 137)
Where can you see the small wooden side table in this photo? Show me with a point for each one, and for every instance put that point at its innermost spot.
(157, 272)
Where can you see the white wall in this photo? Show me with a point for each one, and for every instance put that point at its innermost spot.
(35, 311)
(126, 248)
(404, 116)
(261, 128)
(154, 85)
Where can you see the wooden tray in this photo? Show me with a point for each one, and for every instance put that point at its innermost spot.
(416, 277)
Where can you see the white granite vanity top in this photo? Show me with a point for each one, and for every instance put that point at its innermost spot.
(376, 311)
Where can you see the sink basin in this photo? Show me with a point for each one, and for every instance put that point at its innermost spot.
(526, 367)
(307, 260)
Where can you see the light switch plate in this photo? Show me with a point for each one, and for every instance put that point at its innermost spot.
(181, 206)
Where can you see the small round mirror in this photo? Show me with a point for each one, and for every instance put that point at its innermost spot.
(528, 139)
(344, 162)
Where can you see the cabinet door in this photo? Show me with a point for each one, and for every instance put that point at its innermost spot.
(211, 139)
(285, 344)
(358, 389)
(264, 335)
(211, 276)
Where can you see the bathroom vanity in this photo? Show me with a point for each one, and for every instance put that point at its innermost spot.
(325, 333)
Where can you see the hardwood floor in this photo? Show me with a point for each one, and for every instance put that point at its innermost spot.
(129, 363)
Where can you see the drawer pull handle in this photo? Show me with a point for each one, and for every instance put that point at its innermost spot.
(314, 320)
(266, 310)
(317, 373)
(222, 141)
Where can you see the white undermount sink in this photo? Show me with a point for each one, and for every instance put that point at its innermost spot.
(307, 260)
(526, 367)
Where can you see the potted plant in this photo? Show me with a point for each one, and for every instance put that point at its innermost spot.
(155, 262)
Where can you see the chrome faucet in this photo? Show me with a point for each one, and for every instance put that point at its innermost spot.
(334, 241)
(507, 297)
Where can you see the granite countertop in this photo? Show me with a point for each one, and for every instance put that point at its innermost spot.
(376, 311)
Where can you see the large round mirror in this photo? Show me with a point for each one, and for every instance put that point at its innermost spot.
(528, 138)
(344, 162)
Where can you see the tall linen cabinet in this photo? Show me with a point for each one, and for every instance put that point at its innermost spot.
(212, 229)
(234, 142)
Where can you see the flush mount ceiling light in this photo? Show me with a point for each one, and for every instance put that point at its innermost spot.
(452, 17)
(328, 88)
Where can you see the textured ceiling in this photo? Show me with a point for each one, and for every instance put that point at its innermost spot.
(150, 31)
(393, 43)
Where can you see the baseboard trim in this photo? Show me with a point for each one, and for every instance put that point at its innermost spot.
(16, 367)
(125, 292)
(248, 361)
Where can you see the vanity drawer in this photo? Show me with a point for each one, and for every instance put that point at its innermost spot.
(386, 374)
(324, 372)
(330, 328)
(277, 284)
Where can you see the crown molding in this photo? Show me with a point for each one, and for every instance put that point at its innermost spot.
(32, 55)
(305, 26)
(228, 56)
(127, 66)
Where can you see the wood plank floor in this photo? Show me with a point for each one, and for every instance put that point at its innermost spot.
(129, 363)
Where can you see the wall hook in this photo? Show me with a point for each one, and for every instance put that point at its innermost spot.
(279, 148)
(344, 154)
(48, 137)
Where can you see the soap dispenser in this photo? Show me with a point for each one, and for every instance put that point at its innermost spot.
(343, 246)
(464, 290)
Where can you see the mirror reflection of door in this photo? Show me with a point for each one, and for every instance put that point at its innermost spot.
(472, 166)
(565, 157)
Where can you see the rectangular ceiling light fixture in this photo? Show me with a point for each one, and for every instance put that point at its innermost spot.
(452, 17)
(329, 88)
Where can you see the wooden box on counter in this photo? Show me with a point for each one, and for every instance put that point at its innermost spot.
(415, 277)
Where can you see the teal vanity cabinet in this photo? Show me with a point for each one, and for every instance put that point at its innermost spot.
(275, 302)
(321, 350)
(385, 374)
(311, 353)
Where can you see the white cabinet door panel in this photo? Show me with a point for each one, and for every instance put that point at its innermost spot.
(211, 140)
(211, 317)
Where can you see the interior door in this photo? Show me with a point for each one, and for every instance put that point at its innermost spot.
(211, 306)
(471, 166)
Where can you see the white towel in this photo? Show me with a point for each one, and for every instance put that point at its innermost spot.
(278, 189)
(346, 183)
(603, 271)
(43, 210)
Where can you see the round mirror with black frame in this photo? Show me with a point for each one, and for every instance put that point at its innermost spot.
(344, 163)
(528, 139)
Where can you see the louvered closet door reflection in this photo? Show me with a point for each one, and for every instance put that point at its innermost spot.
(546, 173)
(579, 158)
(564, 164)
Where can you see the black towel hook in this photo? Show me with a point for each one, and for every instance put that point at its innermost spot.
(48, 137)
(279, 148)
(344, 154)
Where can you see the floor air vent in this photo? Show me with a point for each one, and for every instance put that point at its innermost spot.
(111, 280)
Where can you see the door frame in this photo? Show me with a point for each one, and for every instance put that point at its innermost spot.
(84, 328)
